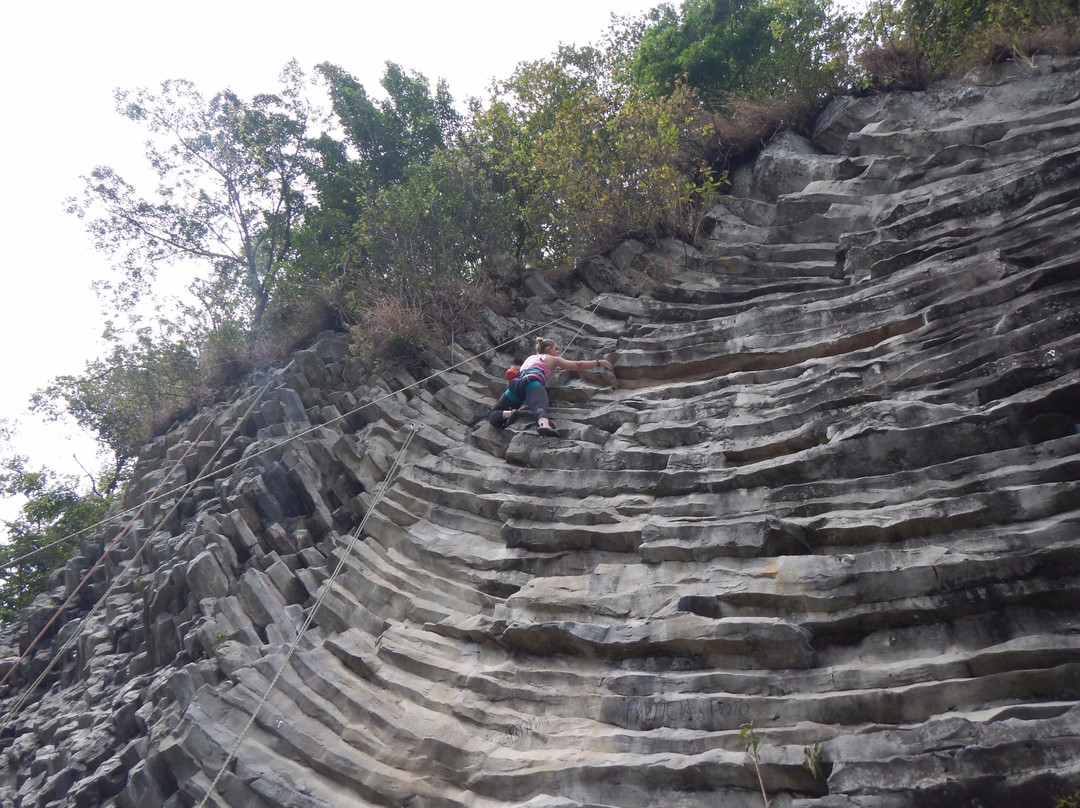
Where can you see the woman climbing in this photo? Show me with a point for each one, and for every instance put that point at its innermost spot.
(530, 387)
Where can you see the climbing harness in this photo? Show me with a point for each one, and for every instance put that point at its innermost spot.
(157, 495)
(303, 433)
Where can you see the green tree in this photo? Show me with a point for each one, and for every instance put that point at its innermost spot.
(811, 44)
(948, 32)
(437, 224)
(408, 211)
(942, 29)
(405, 127)
(590, 159)
(145, 381)
(47, 529)
(743, 47)
(384, 142)
(906, 43)
(714, 45)
(231, 191)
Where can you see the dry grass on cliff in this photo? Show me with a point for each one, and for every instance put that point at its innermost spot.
(903, 65)
(893, 66)
(403, 326)
(998, 45)
(227, 355)
(747, 124)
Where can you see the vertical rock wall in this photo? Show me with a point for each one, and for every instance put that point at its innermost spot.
(832, 490)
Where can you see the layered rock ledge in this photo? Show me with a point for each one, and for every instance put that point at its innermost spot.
(832, 490)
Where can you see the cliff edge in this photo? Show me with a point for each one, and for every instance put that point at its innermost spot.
(831, 491)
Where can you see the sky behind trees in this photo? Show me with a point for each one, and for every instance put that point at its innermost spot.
(61, 63)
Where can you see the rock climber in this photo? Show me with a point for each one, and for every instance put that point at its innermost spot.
(530, 387)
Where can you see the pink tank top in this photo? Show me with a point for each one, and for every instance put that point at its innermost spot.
(536, 363)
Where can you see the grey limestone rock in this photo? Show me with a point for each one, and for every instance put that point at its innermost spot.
(831, 491)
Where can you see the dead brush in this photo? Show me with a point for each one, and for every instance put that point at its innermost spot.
(391, 327)
(897, 65)
(290, 324)
(747, 124)
(998, 44)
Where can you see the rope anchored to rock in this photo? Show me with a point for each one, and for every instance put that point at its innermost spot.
(353, 538)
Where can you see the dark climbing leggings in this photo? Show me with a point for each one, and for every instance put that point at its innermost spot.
(527, 389)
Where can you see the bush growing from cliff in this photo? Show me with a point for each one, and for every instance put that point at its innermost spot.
(1028, 29)
(405, 197)
(130, 394)
(744, 48)
(46, 530)
(382, 142)
(561, 162)
(590, 160)
(907, 43)
(436, 225)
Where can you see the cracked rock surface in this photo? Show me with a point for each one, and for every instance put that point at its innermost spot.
(832, 489)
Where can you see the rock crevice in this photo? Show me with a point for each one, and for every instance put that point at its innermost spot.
(831, 489)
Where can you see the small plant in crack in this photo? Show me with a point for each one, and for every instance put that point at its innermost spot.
(751, 742)
(812, 758)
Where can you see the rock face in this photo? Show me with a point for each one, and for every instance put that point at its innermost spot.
(832, 490)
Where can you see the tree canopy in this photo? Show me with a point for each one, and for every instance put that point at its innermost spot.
(232, 179)
(408, 125)
(743, 47)
(282, 214)
(590, 159)
(47, 528)
(392, 212)
(126, 396)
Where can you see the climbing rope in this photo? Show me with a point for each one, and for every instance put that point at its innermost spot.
(302, 433)
(92, 570)
(155, 496)
(353, 538)
(119, 577)
(148, 501)
(588, 314)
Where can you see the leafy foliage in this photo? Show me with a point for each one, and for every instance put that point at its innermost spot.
(942, 30)
(409, 125)
(887, 57)
(408, 211)
(589, 160)
(813, 759)
(744, 47)
(124, 397)
(810, 57)
(1069, 801)
(383, 142)
(438, 222)
(909, 42)
(751, 742)
(712, 44)
(1028, 29)
(231, 191)
(46, 531)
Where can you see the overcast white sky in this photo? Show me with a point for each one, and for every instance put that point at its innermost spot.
(61, 62)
